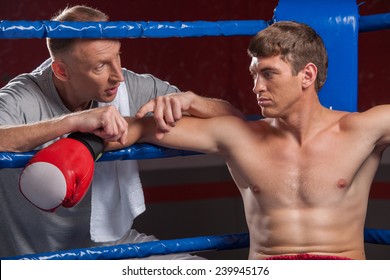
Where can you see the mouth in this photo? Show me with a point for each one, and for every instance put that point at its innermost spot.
(264, 102)
(112, 91)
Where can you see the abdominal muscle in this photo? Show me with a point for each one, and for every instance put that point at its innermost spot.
(304, 231)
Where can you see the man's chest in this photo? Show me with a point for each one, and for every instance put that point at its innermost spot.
(306, 175)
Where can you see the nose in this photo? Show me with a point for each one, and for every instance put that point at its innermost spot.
(258, 85)
(116, 74)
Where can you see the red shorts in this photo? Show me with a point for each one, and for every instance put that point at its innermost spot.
(307, 257)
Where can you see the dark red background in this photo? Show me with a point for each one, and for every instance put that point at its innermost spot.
(212, 66)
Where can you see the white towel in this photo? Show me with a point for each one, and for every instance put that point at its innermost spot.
(117, 196)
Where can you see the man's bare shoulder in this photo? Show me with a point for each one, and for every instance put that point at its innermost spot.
(380, 113)
(260, 123)
(372, 125)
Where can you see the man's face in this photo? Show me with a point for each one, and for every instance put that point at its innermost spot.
(94, 69)
(276, 89)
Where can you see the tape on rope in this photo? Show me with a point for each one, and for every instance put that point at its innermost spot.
(153, 29)
(174, 246)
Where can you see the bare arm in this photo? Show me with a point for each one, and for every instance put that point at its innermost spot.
(168, 109)
(373, 125)
(380, 118)
(190, 133)
(105, 122)
(22, 138)
(213, 135)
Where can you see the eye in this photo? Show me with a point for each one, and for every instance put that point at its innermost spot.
(268, 74)
(100, 67)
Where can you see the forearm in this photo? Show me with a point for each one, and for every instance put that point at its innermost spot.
(139, 130)
(190, 133)
(23, 138)
(105, 122)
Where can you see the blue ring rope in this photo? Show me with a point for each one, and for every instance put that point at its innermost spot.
(374, 22)
(376, 236)
(134, 152)
(146, 249)
(174, 246)
(127, 29)
(152, 29)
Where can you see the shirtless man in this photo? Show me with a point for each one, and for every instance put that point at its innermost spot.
(304, 171)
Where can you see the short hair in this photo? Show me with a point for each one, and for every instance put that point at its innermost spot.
(296, 43)
(74, 13)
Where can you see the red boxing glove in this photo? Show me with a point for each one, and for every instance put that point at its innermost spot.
(61, 173)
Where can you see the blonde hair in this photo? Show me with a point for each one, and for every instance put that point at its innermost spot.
(74, 13)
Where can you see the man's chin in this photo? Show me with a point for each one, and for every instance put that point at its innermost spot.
(108, 98)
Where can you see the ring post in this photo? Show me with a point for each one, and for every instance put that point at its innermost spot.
(337, 23)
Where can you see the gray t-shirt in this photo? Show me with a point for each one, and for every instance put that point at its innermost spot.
(25, 229)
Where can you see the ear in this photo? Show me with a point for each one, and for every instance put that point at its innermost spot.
(60, 70)
(309, 75)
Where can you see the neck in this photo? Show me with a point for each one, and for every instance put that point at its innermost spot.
(305, 120)
(68, 97)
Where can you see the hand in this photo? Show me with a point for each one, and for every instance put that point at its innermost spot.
(167, 110)
(105, 122)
